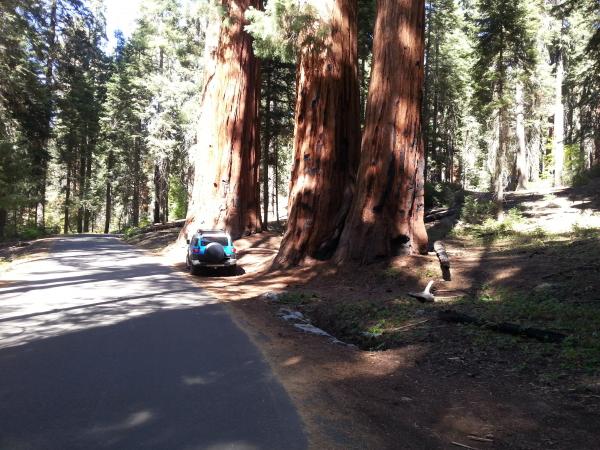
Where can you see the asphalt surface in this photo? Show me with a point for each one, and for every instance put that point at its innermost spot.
(102, 347)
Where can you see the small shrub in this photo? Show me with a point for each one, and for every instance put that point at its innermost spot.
(476, 211)
(579, 232)
(31, 233)
(585, 177)
(130, 232)
(443, 194)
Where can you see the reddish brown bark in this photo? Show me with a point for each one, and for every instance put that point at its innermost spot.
(387, 211)
(326, 139)
(226, 188)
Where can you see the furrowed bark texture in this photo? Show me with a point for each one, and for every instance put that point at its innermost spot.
(387, 211)
(326, 139)
(226, 186)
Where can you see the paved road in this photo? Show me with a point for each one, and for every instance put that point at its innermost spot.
(102, 347)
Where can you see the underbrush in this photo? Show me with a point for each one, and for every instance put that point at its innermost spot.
(31, 233)
(380, 325)
(477, 224)
(585, 177)
(132, 231)
(557, 290)
(443, 195)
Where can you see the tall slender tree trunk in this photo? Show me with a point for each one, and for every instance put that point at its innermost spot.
(226, 190)
(498, 174)
(157, 192)
(136, 200)
(165, 190)
(326, 140)
(42, 162)
(427, 86)
(558, 147)
(108, 206)
(266, 148)
(522, 169)
(67, 200)
(436, 174)
(87, 215)
(81, 191)
(276, 186)
(387, 212)
(596, 156)
(3, 221)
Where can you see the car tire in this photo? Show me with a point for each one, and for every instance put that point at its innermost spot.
(194, 270)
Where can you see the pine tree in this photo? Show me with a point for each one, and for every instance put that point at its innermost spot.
(505, 46)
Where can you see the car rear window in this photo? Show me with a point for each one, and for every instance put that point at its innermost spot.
(218, 239)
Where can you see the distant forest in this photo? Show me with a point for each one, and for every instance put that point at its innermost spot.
(353, 113)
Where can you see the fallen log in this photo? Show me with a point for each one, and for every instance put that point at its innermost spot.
(452, 316)
(426, 296)
(439, 215)
(440, 251)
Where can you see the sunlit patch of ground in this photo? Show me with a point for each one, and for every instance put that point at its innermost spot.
(416, 380)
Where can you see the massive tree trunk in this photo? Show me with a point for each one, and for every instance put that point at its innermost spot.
(326, 139)
(226, 192)
(522, 169)
(387, 211)
(558, 148)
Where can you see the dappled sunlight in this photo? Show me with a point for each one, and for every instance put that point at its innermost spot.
(76, 290)
(133, 420)
(128, 352)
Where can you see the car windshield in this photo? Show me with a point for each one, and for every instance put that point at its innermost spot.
(218, 239)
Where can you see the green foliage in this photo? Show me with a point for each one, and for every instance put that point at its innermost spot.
(585, 177)
(477, 210)
(579, 232)
(296, 299)
(443, 195)
(177, 198)
(575, 162)
(31, 233)
(284, 28)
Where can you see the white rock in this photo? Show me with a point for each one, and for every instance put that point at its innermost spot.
(270, 296)
(308, 328)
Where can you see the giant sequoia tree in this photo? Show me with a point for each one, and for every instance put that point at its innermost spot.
(227, 155)
(326, 139)
(387, 211)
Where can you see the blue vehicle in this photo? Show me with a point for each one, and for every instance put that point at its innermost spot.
(211, 249)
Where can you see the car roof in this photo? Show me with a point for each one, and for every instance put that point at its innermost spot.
(214, 233)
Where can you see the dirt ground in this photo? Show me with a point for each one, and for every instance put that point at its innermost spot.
(412, 381)
(12, 253)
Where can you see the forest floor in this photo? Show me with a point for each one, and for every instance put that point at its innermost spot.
(410, 380)
(14, 252)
